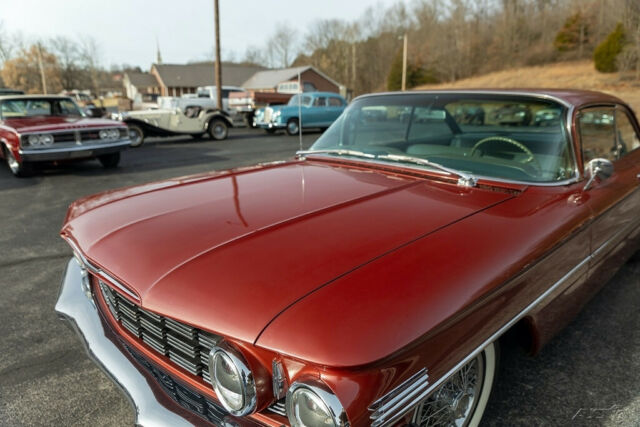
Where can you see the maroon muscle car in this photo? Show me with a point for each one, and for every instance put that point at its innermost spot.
(367, 281)
(45, 128)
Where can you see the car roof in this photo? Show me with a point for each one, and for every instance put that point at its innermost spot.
(4, 97)
(569, 97)
(322, 94)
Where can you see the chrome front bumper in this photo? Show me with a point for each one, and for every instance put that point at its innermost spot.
(73, 152)
(103, 347)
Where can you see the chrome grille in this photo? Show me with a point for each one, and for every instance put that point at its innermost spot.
(279, 408)
(185, 396)
(267, 115)
(184, 345)
(73, 137)
(64, 137)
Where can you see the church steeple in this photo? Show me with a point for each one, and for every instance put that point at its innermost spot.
(158, 55)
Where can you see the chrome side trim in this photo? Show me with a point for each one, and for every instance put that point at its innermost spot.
(412, 403)
(99, 272)
(73, 306)
(392, 405)
(568, 277)
(614, 240)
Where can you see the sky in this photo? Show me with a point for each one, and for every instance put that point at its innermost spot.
(126, 30)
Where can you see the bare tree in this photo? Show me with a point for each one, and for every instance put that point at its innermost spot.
(255, 55)
(68, 53)
(281, 46)
(89, 54)
(10, 44)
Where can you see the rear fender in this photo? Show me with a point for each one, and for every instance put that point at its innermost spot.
(221, 116)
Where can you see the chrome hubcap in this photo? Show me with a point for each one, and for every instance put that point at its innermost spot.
(12, 162)
(454, 402)
(293, 127)
(218, 131)
(134, 136)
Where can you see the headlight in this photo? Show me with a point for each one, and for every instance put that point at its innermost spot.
(276, 116)
(313, 405)
(232, 381)
(109, 134)
(40, 140)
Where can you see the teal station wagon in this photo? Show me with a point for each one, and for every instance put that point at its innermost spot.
(318, 110)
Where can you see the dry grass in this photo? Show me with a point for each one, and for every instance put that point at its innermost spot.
(567, 75)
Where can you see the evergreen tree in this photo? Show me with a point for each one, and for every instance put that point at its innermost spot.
(606, 53)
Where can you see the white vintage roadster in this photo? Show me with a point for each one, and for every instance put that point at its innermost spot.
(179, 119)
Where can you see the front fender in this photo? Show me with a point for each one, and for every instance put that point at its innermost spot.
(11, 142)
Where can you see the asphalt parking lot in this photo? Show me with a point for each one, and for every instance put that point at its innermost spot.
(588, 375)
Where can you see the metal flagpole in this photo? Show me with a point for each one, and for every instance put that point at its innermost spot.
(300, 110)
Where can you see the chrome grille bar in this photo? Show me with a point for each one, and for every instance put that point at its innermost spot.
(186, 346)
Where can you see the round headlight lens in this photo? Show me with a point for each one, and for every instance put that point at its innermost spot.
(46, 139)
(104, 134)
(232, 382)
(34, 140)
(306, 409)
(38, 140)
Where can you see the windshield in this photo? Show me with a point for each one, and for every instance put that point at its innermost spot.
(306, 100)
(499, 136)
(11, 108)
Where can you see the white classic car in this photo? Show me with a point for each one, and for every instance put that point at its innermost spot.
(176, 117)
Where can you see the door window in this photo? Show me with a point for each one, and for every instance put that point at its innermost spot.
(627, 137)
(597, 132)
(320, 101)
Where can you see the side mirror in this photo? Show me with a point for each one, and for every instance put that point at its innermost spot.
(597, 168)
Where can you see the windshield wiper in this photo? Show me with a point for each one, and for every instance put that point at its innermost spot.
(464, 179)
(339, 152)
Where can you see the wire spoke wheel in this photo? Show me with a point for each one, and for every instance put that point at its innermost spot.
(136, 135)
(461, 400)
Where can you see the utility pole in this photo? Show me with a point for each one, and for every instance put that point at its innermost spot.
(218, 64)
(41, 67)
(404, 63)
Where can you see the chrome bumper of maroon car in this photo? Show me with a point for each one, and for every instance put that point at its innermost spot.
(103, 347)
(76, 152)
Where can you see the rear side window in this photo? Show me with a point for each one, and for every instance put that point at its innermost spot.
(335, 102)
(597, 132)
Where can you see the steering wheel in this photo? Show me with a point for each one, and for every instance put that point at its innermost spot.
(531, 159)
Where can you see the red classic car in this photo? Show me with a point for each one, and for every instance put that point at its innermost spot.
(367, 281)
(45, 128)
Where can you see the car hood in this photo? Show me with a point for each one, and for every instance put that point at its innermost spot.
(55, 123)
(228, 252)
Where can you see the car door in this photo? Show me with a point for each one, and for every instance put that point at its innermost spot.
(315, 114)
(188, 120)
(611, 132)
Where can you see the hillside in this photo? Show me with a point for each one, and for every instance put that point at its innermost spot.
(573, 75)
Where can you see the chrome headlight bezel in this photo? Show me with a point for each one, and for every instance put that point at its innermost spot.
(37, 140)
(322, 393)
(246, 380)
(109, 134)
